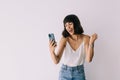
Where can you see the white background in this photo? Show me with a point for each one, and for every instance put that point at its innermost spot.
(24, 28)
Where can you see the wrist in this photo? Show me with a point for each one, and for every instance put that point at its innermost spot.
(91, 41)
(51, 51)
(91, 45)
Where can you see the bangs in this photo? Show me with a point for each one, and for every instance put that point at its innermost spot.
(68, 19)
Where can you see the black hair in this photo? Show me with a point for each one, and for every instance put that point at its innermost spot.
(76, 22)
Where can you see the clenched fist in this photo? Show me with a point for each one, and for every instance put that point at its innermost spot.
(93, 37)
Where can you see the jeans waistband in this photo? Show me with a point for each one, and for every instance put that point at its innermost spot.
(72, 68)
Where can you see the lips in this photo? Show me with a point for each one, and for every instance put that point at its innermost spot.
(70, 31)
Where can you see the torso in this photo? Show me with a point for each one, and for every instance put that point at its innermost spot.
(75, 43)
(74, 54)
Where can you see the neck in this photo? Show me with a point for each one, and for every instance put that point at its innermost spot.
(74, 37)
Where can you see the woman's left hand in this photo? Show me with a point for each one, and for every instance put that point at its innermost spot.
(93, 37)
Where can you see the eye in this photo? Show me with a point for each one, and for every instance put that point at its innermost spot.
(65, 25)
(70, 23)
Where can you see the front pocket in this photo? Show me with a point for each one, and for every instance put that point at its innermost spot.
(81, 70)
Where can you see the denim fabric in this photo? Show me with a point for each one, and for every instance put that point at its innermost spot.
(72, 73)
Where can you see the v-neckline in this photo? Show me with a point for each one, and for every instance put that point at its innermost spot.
(77, 48)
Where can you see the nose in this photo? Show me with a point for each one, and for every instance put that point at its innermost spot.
(68, 26)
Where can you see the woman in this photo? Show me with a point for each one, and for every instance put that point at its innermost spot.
(77, 48)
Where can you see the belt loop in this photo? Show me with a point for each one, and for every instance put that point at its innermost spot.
(66, 67)
(77, 67)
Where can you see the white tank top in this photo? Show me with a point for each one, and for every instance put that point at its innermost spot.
(72, 57)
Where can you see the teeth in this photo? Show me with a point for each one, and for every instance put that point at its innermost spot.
(70, 30)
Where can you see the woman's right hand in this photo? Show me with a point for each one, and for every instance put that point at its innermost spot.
(52, 46)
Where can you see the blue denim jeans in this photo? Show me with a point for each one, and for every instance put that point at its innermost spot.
(72, 73)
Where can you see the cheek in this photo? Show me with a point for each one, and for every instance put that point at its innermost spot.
(66, 28)
(72, 26)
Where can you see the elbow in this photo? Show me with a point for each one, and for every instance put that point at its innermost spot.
(89, 60)
(56, 62)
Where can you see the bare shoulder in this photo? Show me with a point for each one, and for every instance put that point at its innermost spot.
(63, 41)
(86, 38)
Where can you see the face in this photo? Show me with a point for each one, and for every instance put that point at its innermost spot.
(69, 26)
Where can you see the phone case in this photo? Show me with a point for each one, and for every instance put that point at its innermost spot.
(51, 36)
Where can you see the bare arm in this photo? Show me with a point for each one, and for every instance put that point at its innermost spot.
(89, 47)
(56, 57)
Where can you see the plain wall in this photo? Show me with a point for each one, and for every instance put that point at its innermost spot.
(24, 28)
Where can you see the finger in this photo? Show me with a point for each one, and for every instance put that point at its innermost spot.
(95, 34)
(50, 42)
(54, 44)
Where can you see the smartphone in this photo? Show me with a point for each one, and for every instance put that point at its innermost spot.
(51, 37)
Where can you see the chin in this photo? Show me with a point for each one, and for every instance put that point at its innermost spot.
(71, 33)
